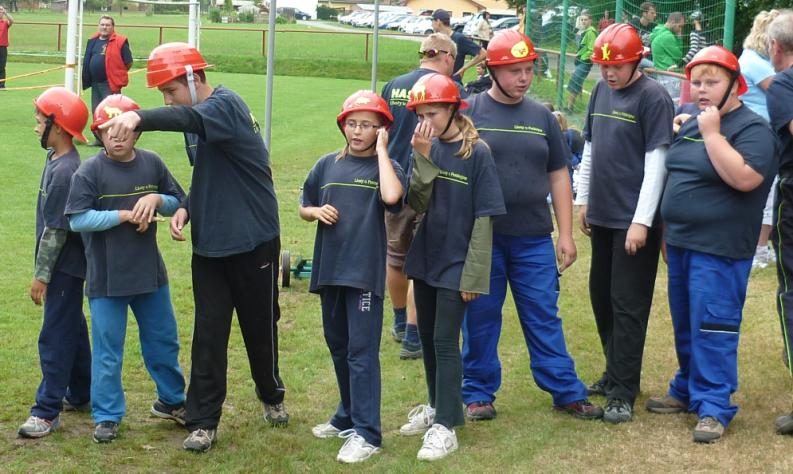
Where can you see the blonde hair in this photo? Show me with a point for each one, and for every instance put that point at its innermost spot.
(758, 36)
(708, 69)
(561, 119)
(439, 41)
(470, 135)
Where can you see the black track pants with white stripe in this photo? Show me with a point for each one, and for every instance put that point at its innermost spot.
(782, 239)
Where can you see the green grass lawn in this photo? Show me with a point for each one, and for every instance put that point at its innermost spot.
(526, 437)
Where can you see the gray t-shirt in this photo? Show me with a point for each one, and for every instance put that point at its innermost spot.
(527, 144)
(55, 181)
(463, 191)
(121, 261)
(701, 212)
(622, 125)
(351, 252)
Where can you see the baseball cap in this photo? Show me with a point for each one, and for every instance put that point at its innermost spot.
(441, 15)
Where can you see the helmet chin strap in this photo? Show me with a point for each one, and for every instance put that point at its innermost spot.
(455, 108)
(733, 78)
(47, 129)
(498, 84)
(191, 84)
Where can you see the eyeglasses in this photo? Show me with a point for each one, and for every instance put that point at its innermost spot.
(431, 53)
(364, 126)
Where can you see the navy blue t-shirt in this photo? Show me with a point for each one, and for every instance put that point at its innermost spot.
(465, 47)
(121, 261)
(97, 61)
(463, 191)
(351, 252)
(526, 143)
(396, 92)
(53, 192)
(780, 111)
(232, 203)
(622, 125)
(701, 212)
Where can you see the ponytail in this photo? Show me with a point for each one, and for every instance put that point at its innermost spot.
(343, 152)
(470, 135)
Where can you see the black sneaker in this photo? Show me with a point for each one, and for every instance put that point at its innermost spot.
(410, 350)
(598, 388)
(105, 432)
(618, 411)
(200, 440)
(162, 410)
(784, 424)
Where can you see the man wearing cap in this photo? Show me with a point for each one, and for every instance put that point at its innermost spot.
(437, 53)
(465, 46)
(106, 62)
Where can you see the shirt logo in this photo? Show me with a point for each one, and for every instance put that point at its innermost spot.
(398, 97)
(520, 50)
(454, 177)
(606, 52)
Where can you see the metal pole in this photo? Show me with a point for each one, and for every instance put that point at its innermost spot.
(80, 28)
(374, 45)
(562, 55)
(729, 23)
(192, 25)
(71, 45)
(268, 106)
(618, 11)
(527, 18)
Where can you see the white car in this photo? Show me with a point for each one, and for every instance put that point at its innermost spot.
(348, 19)
(407, 23)
(421, 27)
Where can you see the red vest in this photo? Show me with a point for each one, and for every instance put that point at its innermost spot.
(115, 68)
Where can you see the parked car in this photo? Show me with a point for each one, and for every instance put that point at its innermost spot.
(458, 22)
(301, 15)
(407, 23)
(421, 27)
(504, 23)
(348, 19)
(472, 26)
(362, 20)
(394, 22)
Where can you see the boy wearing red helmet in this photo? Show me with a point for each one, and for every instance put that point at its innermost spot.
(532, 160)
(113, 202)
(348, 192)
(236, 233)
(627, 131)
(454, 182)
(720, 168)
(60, 268)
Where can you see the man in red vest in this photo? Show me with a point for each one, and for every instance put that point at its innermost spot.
(106, 62)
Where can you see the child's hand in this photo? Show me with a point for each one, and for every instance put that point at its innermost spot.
(382, 141)
(326, 214)
(709, 121)
(126, 216)
(121, 126)
(38, 291)
(178, 221)
(678, 121)
(468, 296)
(422, 138)
(146, 208)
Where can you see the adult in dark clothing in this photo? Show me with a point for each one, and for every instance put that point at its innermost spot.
(437, 54)
(465, 46)
(236, 233)
(106, 62)
(780, 111)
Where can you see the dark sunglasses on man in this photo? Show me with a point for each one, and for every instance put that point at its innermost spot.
(431, 53)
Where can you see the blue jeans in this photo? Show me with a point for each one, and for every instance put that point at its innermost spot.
(352, 320)
(706, 297)
(529, 265)
(159, 345)
(63, 348)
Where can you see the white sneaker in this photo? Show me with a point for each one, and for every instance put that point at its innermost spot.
(355, 449)
(762, 257)
(439, 442)
(420, 419)
(36, 427)
(325, 430)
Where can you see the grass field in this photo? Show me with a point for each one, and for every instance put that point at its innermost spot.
(526, 437)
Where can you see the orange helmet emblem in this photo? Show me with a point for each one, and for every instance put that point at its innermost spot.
(418, 93)
(520, 50)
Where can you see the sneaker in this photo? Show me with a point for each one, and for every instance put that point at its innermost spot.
(420, 419)
(708, 430)
(762, 257)
(439, 442)
(598, 388)
(162, 410)
(581, 409)
(325, 430)
(398, 334)
(665, 405)
(410, 350)
(355, 448)
(276, 414)
(200, 440)
(480, 411)
(36, 427)
(82, 408)
(105, 431)
(784, 424)
(618, 411)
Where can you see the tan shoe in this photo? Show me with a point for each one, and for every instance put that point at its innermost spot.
(665, 405)
(708, 430)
